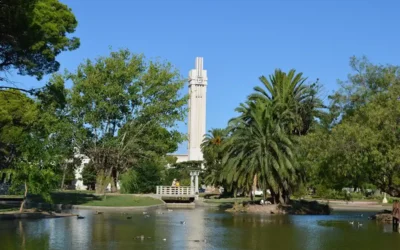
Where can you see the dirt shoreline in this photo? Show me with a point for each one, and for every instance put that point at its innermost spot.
(356, 205)
(335, 205)
(13, 215)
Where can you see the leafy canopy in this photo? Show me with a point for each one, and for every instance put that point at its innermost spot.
(32, 34)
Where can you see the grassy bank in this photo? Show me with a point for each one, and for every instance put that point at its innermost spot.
(90, 199)
(8, 208)
(123, 201)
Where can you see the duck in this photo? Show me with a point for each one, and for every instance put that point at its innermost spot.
(170, 210)
(144, 212)
(183, 222)
(141, 237)
(359, 224)
(351, 222)
(129, 217)
(98, 212)
(79, 217)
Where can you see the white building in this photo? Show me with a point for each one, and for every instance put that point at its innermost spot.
(78, 183)
(78, 171)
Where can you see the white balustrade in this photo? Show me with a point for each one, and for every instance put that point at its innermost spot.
(175, 191)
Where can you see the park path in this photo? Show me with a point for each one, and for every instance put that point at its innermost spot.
(356, 205)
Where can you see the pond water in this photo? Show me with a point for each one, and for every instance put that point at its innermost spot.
(204, 229)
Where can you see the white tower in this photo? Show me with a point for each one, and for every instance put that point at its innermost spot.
(197, 110)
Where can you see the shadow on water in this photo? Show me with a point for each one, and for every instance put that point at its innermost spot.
(67, 198)
(199, 228)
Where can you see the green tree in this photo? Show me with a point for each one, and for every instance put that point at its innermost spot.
(359, 145)
(149, 175)
(32, 34)
(130, 107)
(89, 175)
(26, 148)
(261, 150)
(295, 104)
(17, 118)
(212, 148)
(65, 135)
(129, 182)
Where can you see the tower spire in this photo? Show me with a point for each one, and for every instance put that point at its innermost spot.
(197, 110)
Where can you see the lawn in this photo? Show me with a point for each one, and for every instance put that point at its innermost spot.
(123, 201)
(8, 208)
(90, 199)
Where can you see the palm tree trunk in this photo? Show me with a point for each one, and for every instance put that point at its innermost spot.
(234, 194)
(254, 188)
(21, 208)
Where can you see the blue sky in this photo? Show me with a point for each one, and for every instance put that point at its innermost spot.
(239, 40)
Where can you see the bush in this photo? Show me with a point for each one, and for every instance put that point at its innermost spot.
(129, 183)
(148, 176)
(142, 179)
(180, 174)
(327, 193)
(301, 191)
(89, 176)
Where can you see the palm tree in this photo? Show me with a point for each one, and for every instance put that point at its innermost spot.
(261, 150)
(212, 150)
(295, 104)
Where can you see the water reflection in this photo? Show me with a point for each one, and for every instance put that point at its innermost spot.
(204, 229)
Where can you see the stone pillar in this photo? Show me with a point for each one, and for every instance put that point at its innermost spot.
(384, 201)
(192, 183)
(196, 184)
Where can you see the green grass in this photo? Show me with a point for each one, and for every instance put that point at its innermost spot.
(123, 201)
(11, 196)
(89, 199)
(8, 208)
(75, 198)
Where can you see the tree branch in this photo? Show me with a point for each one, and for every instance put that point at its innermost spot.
(30, 91)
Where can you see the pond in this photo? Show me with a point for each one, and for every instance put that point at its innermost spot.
(204, 228)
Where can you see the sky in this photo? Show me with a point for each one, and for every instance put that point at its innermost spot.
(240, 40)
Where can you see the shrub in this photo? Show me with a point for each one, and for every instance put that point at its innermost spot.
(129, 183)
(89, 176)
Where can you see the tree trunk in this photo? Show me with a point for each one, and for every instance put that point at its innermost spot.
(102, 180)
(272, 196)
(114, 179)
(265, 194)
(275, 197)
(63, 177)
(254, 188)
(21, 208)
(280, 193)
(285, 196)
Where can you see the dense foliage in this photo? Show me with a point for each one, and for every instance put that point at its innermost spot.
(32, 34)
(261, 150)
(360, 147)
